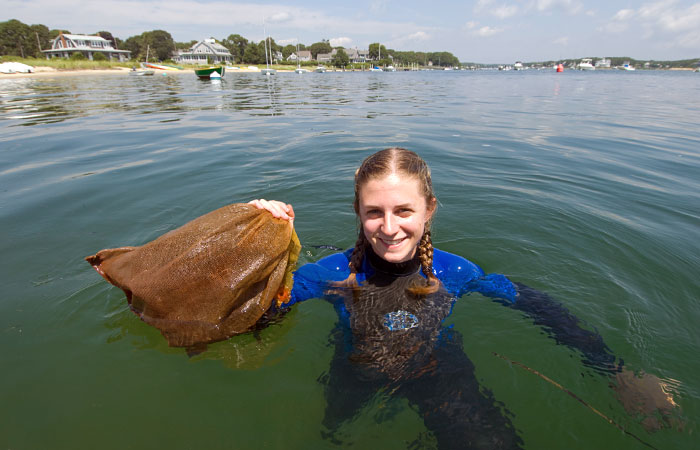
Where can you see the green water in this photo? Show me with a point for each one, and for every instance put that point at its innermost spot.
(582, 185)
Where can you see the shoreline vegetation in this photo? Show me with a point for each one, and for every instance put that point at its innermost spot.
(20, 42)
(63, 67)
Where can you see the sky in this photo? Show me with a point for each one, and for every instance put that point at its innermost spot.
(483, 31)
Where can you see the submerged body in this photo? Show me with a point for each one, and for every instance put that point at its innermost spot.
(388, 339)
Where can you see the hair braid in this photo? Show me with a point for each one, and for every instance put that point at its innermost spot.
(425, 255)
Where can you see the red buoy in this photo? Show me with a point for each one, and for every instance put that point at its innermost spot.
(560, 67)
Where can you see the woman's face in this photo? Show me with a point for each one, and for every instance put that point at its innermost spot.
(394, 213)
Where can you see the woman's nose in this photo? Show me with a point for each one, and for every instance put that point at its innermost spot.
(389, 225)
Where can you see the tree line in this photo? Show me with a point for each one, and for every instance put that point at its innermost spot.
(20, 39)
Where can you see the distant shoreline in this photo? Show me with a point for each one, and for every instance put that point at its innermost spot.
(48, 72)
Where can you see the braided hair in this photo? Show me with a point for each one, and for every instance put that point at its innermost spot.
(404, 162)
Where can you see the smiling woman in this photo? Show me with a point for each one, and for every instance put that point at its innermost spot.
(393, 291)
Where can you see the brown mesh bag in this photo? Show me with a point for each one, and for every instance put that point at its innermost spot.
(210, 279)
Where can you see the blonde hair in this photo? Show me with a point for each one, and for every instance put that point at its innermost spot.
(404, 162)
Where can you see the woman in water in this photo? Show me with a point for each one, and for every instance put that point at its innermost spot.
(393, 291)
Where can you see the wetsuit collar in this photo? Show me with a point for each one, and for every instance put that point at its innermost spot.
(384, 267)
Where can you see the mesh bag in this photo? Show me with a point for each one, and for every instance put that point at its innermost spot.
(210, 279)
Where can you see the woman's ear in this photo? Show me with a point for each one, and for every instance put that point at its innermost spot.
(432, 205)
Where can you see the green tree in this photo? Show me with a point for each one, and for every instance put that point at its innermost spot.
(320, 47)
(236, 44)
(97, 56)
(158, 44)
(77, 56)
(41, 35)
(16, 39)
(254, 54)
(340, 59)
(161, 43)
(288, 50)
(374, 51)
(185, 45)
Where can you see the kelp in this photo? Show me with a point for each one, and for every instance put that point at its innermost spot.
(210, 279)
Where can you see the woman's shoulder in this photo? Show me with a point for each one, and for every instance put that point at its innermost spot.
(330, 267)
(446, 264)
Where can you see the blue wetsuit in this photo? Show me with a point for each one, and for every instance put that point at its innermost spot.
(390, 340)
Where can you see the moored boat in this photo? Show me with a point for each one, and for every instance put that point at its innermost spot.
(320, 69)
(205, 72)
(147, 65)
(141, 72)
(586, 64)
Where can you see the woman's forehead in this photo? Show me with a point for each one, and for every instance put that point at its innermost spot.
(393, 188)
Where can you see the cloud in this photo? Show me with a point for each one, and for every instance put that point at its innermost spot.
(340, 41)
(564, 40)
(504, 11)
(279, 17)
(487, 31)
(568, 6)
(668, 18)
(418, 36)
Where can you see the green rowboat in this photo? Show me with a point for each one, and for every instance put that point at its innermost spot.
(205, 72)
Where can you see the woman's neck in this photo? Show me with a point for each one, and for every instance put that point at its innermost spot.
(385, 267)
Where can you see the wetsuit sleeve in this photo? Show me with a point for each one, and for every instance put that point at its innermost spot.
(311, 280)
(461, 276)
(565, 328)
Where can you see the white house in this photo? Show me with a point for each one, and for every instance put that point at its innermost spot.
(326, 57)
(207, 51)
(304, 55)
(357, 56)
(66, 45)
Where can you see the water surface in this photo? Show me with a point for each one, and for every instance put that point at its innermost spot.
(581, 184)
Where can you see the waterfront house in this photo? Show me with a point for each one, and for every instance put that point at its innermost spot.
(357, 56)
(304, 55)
(66, 45)
(206, 51)
(326, 57)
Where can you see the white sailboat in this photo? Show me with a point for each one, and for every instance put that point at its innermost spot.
(299, 69)
(267, 45)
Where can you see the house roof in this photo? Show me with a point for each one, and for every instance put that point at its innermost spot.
(84, 37)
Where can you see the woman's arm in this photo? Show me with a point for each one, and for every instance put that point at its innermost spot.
(461, 276)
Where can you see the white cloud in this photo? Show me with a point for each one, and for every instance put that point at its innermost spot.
(564, 40)
(568, 6)
(487, 31)
(502, 10)
(340, 41)
(624, 14)
(505, 11)
(279, 17)
(418, 36)
(678, 23)
(471, 25)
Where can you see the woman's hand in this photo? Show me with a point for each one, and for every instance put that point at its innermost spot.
(278, 209)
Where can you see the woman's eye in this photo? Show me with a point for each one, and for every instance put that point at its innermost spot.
(405, 211)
